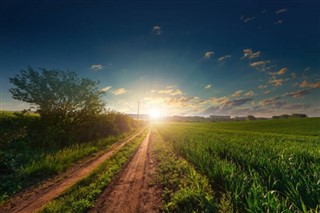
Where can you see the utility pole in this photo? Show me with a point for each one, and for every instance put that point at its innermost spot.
(138, 110)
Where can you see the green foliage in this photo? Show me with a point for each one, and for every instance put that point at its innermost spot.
(29, 154)
(58, 95)
(255, 171)
(184, 190)
(66, 103)
(83, 194)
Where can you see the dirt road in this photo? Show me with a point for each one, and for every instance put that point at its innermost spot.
(131, 192)
(34, 199)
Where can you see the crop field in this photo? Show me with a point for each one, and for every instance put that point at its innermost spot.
(254, 166)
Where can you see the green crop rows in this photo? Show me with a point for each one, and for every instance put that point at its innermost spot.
(262, 169)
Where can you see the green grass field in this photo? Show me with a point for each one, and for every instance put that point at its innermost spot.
(256, 166)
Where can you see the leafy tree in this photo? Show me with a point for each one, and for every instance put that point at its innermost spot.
(58, 96)
(67, 104)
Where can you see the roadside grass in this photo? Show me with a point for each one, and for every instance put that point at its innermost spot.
(34, 166)
(253, 171)
(184, 190)
(82, 195)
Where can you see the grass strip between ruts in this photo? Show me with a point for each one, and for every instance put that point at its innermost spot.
(82, 195)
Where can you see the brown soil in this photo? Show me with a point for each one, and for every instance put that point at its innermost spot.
(132, 190)
(33, 199)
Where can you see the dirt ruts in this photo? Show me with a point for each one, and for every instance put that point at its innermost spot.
(131, 191)
(35, 198)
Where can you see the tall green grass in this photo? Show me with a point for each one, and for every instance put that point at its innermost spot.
(184, 189)
(263, 172)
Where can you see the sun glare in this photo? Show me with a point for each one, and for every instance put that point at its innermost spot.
(154, 114)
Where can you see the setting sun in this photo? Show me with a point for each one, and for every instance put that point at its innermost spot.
(154, 113)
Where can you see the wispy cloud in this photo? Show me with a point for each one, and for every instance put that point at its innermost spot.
(224, 105)
(284, 10)
(262, 86)
(266, 92)
(119, 91)
(246, 19)
(260, 65)
(276, 81)
(207, 86)
(157, 30)
(278, 21)
(96, 67)
(169, 90)
(293, 75)
(250, 93)
(237, 93)
(297, 94)
(105, 89)
(307, 69)
(279, 72)
(208, 54)
(273, 102)
(249, 54)
(224, 57)
(219, 101)
(306, 84)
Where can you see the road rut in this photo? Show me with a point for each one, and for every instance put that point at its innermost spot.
(131, 192)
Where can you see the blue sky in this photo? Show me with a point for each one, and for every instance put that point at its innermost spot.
(177, 57)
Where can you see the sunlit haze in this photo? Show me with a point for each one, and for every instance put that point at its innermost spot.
(187, 58)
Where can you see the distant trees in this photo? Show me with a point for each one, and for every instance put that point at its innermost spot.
(286, 116)
(251, 118)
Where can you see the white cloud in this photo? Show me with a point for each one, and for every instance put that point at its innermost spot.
(96, 67)
(250, 93)
(224, 57)
(262, 86)
(172, 92)
(276, 81)
(157, 30)
(208, 54)
(119, 91)
(237, 93)
(169, 90)
(248, 53)
(207, 86)
(105, 89)
(281, 11)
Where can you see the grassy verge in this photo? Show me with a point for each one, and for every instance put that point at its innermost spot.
(184, 190)
(46, 165)
(83, 194)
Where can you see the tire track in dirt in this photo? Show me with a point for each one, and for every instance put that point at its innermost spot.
(34, 199)
(131, 191)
